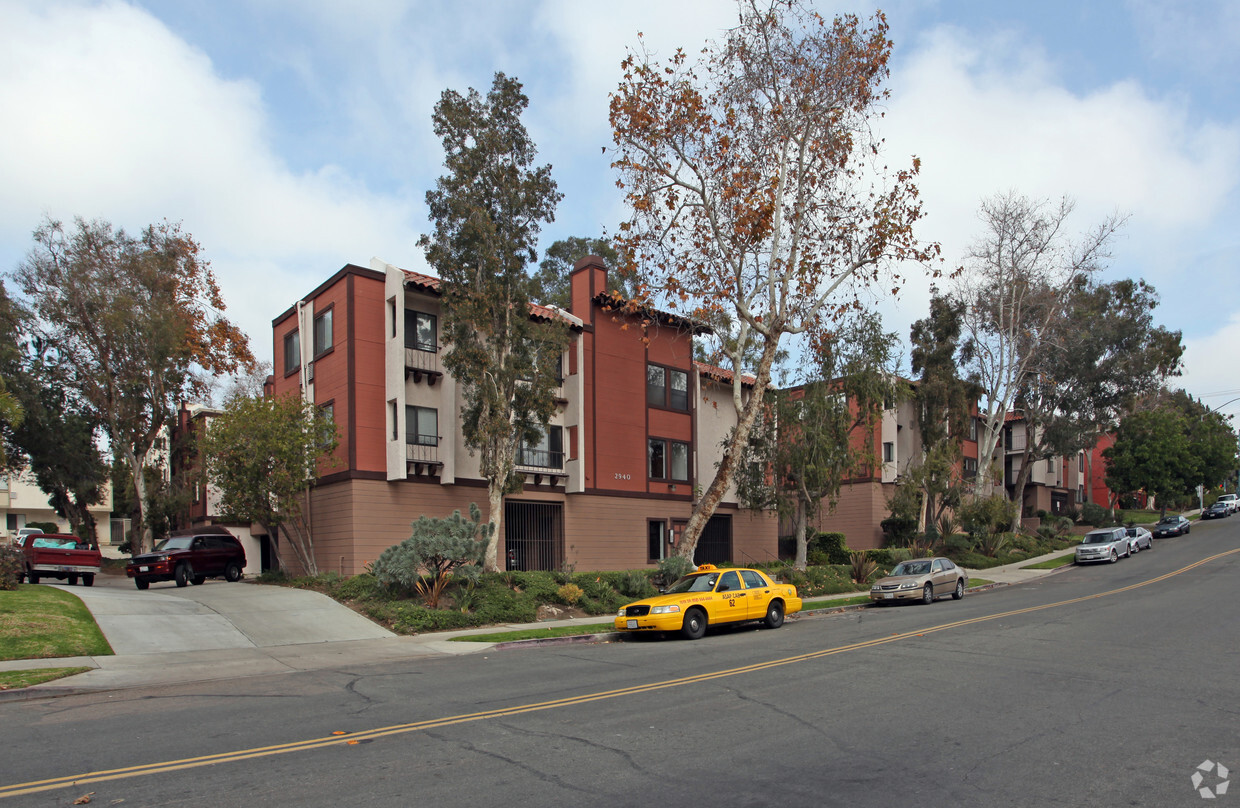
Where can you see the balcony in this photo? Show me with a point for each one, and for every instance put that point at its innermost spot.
(1014, 442)
(422, 460)
(541, 466)
(423, 364)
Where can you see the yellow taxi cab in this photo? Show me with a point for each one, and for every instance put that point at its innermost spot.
(711, 596)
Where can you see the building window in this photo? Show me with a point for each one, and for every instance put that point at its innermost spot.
(422, 426)
(656, 540)
(329, 411)
(970, 468)
(395, 423)
(972, 429)
(661, 452)
(546, 453)
(666, 387)
(889, 452)
(1050, 464)
(292, 352)
(323, 332)
(421, 331)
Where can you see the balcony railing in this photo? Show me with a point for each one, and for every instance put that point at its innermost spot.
(422, 452)
(419, 363)
(540, 459)
(1015, 442)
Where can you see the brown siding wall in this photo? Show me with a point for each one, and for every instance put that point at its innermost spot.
(356, 520)
(860, 510)
(368, 374)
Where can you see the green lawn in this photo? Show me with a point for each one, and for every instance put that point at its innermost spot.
(11, 680)
(538, 633)
(1052, 563)
(38, 622)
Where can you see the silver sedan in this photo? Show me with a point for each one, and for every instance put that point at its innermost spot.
(1139, 539)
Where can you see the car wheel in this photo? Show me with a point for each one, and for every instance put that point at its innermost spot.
(71, 580)
(1114, 556)
(183, 574)
(959, 593)
(88, 580)
(774, 614)
(32, 576)
(232, 573)
(142, 583)
(198, 580)
(1186, 530)
(695, 624)
(927, 593)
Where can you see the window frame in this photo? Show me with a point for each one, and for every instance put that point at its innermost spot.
(318, 348)
(889, 451)
(552, 436)
(669, 398)
(661, 539)
(668, 446)
(411, 334)
(412, 429)
(292, 358)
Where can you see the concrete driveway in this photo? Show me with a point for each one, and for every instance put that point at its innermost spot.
(216, 615)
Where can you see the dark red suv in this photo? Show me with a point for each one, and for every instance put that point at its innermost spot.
(190, 556)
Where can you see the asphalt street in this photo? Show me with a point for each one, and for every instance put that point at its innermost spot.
(1105, 685)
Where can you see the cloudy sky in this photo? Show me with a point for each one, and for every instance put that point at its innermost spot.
(292, 138)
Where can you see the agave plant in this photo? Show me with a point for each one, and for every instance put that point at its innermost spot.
(862, 566)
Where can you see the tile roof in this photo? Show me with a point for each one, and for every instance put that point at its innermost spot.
(723, 374)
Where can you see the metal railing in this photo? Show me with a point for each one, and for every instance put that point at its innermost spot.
(425, 361)
(540, 459)
(422, 452)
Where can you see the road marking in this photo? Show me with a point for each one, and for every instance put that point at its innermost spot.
(35, 787)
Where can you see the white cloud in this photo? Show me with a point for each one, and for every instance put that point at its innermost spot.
(110, 115)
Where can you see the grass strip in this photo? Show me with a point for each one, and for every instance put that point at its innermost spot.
(1052, 563)
(537, 633)
(41, 622)
(12, 680)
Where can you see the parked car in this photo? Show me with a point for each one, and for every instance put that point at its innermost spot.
(1232, 500)
(61, 556)
(1139, 539)
(1172, 526)
(711, 596)
(1105, 544)
(921, 579)
(190, 557)
(1217, 511)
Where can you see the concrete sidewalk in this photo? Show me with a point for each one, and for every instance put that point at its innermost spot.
(253, 630)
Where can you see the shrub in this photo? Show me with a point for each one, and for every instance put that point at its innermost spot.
(989, 515)
(46, 527)
(862, 567)
(898, 530)
(829, 547)
(439, 546)
(569, 594)
(636, 585)
(673, 568)
(989, 544)
(11, 567)
(1094, 514)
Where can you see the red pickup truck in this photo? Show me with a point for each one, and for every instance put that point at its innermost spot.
(60, 556)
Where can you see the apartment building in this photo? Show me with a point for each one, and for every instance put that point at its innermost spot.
(896, 447)
(611, 482)
(1055, 484)
(23, 502)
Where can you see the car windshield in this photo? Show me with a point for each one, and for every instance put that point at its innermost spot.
(703, 582)
(1170, 521)
(178, 543)
(911, 568)
(1099, 538)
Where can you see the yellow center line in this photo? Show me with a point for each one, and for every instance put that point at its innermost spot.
(34, 787)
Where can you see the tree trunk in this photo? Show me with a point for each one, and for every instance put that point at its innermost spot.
(495, 498)
(802, 559)
(1022, 479)
(141, 542)
(705, 507)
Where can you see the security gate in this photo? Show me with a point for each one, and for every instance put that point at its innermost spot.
(715, 544)
(534, 535)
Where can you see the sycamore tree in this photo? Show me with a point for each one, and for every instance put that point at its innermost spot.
(263, 456)
(812, 437)
(136, 325)
(488, 209)
(1012, 294)
(758, 190)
